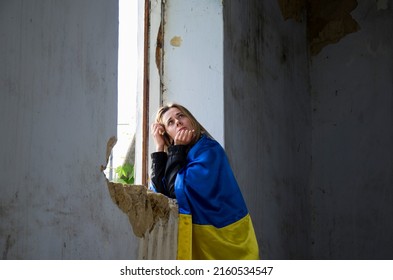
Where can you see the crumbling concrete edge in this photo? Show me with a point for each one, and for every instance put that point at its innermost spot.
(143, 207)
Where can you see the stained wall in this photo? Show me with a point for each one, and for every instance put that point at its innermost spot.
(268, 123)
(58, 108)
(352, 140)
(308, 124)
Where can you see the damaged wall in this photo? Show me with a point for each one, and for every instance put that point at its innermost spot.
(58, 84)
(153, 217)
(352, 105)
(310, 133)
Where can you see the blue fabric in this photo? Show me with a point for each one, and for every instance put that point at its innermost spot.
(206, 187)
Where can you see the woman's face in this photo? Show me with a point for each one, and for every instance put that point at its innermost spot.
(174, 121)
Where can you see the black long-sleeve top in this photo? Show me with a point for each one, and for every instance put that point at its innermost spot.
(165, 167)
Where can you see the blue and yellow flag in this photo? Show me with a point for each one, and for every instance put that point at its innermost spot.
(214, 222)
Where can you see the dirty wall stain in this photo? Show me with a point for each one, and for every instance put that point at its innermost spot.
(328, 21)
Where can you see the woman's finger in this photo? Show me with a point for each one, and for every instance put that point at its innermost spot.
(184, 137)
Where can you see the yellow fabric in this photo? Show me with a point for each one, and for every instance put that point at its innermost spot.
(233, 242)
(184, 237)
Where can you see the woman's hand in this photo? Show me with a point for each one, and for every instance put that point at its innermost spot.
(184, 137)
(158, 131)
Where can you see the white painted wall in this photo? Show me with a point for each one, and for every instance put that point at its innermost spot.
(193, 62)
(58, 108)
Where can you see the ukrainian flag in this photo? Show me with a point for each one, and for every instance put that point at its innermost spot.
(214, 222)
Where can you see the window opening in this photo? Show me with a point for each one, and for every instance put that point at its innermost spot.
(123, 154)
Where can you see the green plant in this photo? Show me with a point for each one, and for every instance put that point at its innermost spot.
(125, 174)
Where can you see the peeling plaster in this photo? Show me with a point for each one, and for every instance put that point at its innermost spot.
(328, 21)
(176, 41)
(159, 47)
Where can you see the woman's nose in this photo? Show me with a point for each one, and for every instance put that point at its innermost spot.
(178, 122)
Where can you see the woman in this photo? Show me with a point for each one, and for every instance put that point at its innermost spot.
(192, 167)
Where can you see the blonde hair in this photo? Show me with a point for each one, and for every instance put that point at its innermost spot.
(199, 129)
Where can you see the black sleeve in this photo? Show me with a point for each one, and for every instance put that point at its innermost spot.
(165, 168)
(158, 165)
(177, 159)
